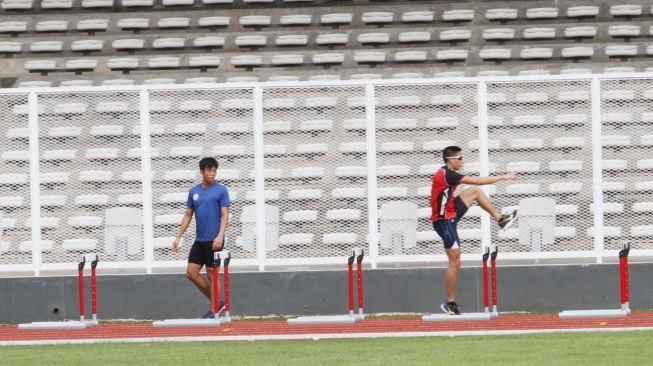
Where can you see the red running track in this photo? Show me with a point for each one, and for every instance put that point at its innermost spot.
(262, 329)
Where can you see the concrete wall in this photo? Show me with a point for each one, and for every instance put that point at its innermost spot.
(539, 289)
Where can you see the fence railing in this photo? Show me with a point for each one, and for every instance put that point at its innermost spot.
(314, 169)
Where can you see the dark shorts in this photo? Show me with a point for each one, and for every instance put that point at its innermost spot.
(448, 229)
(201, 253)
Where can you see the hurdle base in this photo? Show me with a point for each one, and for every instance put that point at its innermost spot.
(327, 319)
(190, 322)
(461, 317)
(54, 325)
(601, 313)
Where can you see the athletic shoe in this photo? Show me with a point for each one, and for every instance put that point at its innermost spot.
(508, 219)
(450, 308)
(209, 315)
(221, 307)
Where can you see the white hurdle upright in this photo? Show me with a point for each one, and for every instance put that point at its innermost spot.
(352, 317)
(225, 257)
(625, 294)
(82, 323)
(486, 314)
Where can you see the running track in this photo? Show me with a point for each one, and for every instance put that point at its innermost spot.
(279, 329)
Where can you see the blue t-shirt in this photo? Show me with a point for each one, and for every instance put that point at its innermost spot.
(207, 202)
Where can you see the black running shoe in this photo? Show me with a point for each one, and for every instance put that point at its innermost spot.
(450, 308)
(209, 315)
(508, 219)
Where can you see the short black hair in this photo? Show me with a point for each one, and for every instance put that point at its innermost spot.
(208, 162)
(450, 151)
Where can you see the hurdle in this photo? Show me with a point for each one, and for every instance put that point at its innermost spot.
(352, 317)
(625, 294)
(225, 257)
(82, 323)
(486, 314)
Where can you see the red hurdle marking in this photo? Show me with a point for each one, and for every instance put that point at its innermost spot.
(493, 260)
(623, 276)
(94, 289)
(350, 282)
(357, 255)
(359, 275)
(624, 288)
(80, 287)
(486, 314)
(215, 300)
(226, 258)
(82, 323)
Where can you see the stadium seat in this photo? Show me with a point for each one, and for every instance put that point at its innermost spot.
(46, 46)
(164, 62)
(498, 34)
(451, 55)
(255, 20)
(336, 19)
(577, 52)
(502, 14)
(542, 13)
(409, 37)
(625, 10)
(304, 194)
(583, 11)
(52, 26)
(168, 43)
(56, 4)
(214, 21)
(16, 26)
(17, 4)
(421, 16)
(179, 22)
(87, 45)
(536, 53)
(539, 33)
(90, 4)
(300, 216)
(495, 53)
(462, 15)
(296, 19)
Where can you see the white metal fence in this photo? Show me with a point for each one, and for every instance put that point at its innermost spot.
(314, 169)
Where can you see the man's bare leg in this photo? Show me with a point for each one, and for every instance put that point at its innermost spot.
(475, 194)
(201, 282)
(451, 276)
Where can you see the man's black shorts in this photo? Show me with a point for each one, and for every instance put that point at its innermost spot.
(201, 253)
(448, 229)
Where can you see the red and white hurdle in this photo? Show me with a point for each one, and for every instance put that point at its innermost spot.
(218, 257)
(82, 323)
(353, 316)
(625, 294)
(486, 314)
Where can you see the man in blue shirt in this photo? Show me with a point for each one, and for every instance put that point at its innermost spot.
(209, 201)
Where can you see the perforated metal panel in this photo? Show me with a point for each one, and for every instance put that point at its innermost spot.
(542, 131)
(627, 140)
(315, 170)
(88, 164)
(186, 126)
(414, 123)
(15, 235)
